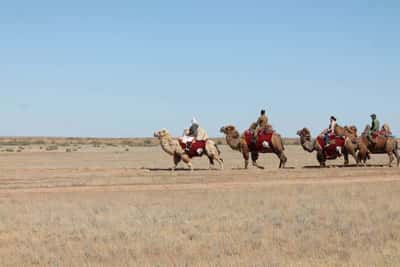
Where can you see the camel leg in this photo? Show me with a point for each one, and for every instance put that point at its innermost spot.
(246, 164)
(365, 160)
(190, 165)
(346, 158)
(365, 157)
(255, 164)
(361, 159)
(177, 159)
(397, 155)
(254, 158)
(220, 162)
(186, 159)
(211, 160)
(354, 154)
(352, 151)
(321, 159)
(356, 159)
(283, 160)
(217, 159)
(391, 159)
(246, 157)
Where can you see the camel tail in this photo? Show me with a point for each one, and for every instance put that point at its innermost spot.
(282, 144)
(219, 150)
(396, 152)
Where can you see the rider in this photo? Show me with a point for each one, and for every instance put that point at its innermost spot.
(374, 127)
(252, 130)
(197, 133)
(330, 130)
(262, 123)
(187, 139)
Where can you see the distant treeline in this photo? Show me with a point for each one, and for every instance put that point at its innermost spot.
(132, 142)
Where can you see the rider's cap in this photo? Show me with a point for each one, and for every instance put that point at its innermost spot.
(333, 118)
(373, 115)
(194, 121)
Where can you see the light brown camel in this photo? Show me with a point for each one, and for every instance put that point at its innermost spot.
(383, 144)
(349, 143)
(172, 147)
(238, 142)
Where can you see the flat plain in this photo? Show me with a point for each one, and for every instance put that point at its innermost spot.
(102, 205)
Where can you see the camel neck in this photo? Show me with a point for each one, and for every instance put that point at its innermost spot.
(234, 143)
(307, 144)
(166, 144)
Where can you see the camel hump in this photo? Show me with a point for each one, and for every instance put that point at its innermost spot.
(386, 129)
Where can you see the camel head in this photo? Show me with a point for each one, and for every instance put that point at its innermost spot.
(305, 139)
(230, 131)
(161, 133)
(305, 133)
(351, 130)
(367, 129)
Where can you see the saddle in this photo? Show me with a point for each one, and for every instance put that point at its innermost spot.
(335, 143)
(263, 142)
(194, 148)
(380, 133)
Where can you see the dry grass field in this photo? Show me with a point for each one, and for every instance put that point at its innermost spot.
(119, 205)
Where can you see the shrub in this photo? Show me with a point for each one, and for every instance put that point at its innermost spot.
(147, 142)
(52, 148)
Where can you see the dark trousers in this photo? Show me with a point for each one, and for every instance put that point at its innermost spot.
(326, 138)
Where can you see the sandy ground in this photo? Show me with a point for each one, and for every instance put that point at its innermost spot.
(106, 206)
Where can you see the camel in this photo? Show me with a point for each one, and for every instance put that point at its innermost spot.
(239, 143)
(383, 144)
(349, 144)
(173, 147)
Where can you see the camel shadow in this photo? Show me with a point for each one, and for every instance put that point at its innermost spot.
(266, 169)
(346, 166)
(177, 169)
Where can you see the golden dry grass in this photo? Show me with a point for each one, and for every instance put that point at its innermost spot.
(109, 207)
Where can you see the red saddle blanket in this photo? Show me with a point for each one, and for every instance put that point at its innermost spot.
(331, 151)
(262, 137)
(197, 148)
(380, 133)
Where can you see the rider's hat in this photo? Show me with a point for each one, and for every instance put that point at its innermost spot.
(373, 115)
(333, 118)
(195, 122)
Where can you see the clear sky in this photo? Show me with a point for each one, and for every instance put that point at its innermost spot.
(127, 68)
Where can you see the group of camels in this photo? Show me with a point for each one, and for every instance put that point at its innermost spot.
(359, 147)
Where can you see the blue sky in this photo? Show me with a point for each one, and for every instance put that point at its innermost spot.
(127, 68)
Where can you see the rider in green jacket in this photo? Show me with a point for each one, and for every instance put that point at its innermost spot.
(375, 126)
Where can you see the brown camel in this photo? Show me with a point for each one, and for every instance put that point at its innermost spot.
(346, 138)
(382, 144)
(238, 142)
(173, 147)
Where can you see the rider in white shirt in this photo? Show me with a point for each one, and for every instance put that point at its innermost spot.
(195, 133)
(186, 138)
(330, 130)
